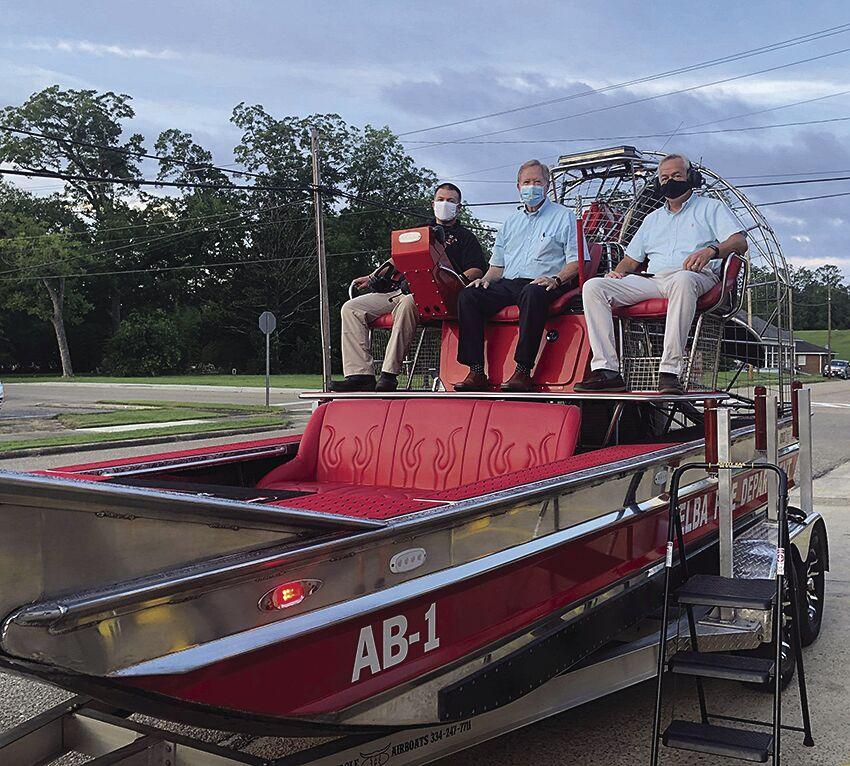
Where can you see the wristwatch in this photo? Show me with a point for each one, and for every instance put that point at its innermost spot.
(716, 250)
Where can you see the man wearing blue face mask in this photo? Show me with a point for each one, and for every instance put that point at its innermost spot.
(535, 257)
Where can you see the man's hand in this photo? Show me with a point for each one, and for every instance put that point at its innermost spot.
(361, 283)
(482, 282)
(614, 275)
(550, 283)
(697, 261)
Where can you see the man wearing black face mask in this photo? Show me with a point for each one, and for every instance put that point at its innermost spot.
(686, 241)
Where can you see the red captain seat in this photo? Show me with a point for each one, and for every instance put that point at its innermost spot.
(395, 445)
(561, 304)
(655, 308)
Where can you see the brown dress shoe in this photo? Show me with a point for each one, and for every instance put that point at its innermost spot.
(475, 381)
(519, 383)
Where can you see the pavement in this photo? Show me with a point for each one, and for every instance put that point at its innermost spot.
(615, 729)
(35, 400)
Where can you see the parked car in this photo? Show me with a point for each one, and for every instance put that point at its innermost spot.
(837, 368)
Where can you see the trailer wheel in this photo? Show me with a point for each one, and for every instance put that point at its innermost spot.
(788, 663)
(811, 588)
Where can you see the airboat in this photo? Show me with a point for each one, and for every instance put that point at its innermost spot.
(422, 570)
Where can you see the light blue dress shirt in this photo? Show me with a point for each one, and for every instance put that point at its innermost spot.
(668, 238)
(538, 244)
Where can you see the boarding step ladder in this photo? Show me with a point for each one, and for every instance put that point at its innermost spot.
(712, 734)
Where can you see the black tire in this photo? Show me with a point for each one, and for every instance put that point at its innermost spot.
(768, 650)
(811, 587)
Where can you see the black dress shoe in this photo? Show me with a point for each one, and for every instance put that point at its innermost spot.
(475, 381)
(387, 383)
(668, 383)
(519, 383)
(353, 383)
(600, 383)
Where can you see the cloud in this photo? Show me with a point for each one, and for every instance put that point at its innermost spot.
(801, 238)
(101, 49)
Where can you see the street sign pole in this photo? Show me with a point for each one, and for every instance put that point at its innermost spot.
(267, 323)
(268, 359)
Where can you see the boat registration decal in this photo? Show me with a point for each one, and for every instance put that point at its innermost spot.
(396, 643)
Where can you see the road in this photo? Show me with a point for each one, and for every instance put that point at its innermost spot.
(613, 730)
(33, 400)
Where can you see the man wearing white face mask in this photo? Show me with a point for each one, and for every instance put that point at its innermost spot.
(464, 252)
(534, 260)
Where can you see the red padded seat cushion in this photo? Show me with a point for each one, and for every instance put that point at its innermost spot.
(388, 502)
(562, 303)
(426, 444)
(383, 322)
(656, 308)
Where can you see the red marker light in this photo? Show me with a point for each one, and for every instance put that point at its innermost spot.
(288, 594)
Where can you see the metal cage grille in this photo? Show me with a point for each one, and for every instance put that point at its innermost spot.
(643, 343)
(421, 366)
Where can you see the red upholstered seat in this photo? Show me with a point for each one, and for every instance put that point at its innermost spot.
(387, 502)
(562, 303)
(655, 308)
(383, 322)
(424, 444)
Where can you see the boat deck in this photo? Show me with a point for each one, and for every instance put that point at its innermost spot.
(548, 396)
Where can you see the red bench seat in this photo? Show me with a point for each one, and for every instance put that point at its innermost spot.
(656, 308)
(424, 445)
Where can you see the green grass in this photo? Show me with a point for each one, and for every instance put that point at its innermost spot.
(215, 407)
(247, 381)
(133, 416)
(760, 379)
(840, 340)
(76, 438)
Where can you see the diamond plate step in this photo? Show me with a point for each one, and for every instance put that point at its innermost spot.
(732, 667)
(713, 590)
(719, 740)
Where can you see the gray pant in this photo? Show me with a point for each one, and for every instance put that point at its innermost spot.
(358, 314)
(681, 288)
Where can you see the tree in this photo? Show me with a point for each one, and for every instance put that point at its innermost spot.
(38, 249)
(79, 123)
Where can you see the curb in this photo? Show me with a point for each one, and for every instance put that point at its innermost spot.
(65, 449)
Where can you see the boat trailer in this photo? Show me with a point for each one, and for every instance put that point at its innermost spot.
(112, 737)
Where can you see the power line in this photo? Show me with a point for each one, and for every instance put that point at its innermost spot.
(215, 264)
(793, 183)
(682, 70)
(801, 199)
(130, 245)
(658, 135)
(155, 182)
(642, 100)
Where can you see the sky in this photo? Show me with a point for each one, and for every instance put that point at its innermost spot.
(413, 65)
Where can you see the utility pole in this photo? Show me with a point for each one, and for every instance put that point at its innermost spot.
(829, 322)
(324, 309)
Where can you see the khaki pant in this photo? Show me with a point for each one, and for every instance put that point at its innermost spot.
(681, 288)
(358, 313)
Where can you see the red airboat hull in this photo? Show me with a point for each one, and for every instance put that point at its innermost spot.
(322, 674)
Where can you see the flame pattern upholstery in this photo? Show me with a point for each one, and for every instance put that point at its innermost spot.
(424, 444)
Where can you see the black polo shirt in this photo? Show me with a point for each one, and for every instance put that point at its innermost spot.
(462, 247)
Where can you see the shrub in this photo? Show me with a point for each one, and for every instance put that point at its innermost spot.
(145, 344)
